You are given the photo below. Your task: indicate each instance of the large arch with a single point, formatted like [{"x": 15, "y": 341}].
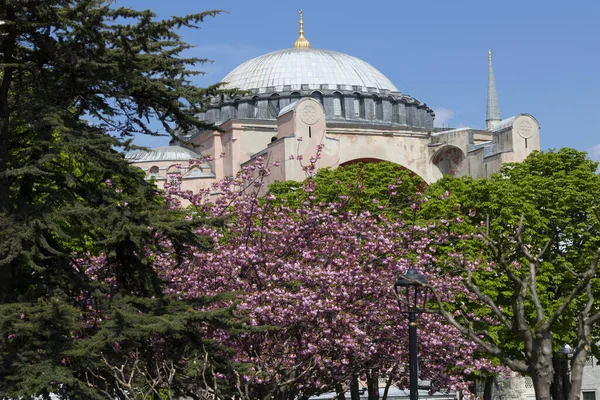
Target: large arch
[{"x": 378, "y": 160}]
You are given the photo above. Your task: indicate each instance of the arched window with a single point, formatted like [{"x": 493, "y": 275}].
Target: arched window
[
  {"x": 153, "y": 171},
  {"x": 294, "y": 97},
  {"x": 359, "y": 106},
  {"x": 378, "y": 104},
  {"x": 338, "y": 105},
  {"x": 274, "y": 105},
  {"x": 317, "y": 96},
  {"x": 254, "y": 108}
]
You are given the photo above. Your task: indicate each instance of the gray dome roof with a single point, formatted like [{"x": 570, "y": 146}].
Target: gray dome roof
[
  {"x": 307, "y": 66},
  {"x": 164, "y": 153}
]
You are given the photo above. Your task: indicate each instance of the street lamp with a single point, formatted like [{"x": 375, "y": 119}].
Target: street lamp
[
  {"x": 567, "y": 351},
  {"x": 411, "y": 292}
]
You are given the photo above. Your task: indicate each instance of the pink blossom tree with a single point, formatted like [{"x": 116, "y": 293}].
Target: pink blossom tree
[{"x": 321, "y": 279}]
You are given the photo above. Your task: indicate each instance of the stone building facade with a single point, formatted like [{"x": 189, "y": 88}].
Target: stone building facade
[{"x": 343, "y": 103}]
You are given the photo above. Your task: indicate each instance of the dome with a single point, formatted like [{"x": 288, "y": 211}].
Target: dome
[
  {"x": 298, "y": 67},
  {"x": 350, "y": 90},
  {"x": 164, "y": 153}
]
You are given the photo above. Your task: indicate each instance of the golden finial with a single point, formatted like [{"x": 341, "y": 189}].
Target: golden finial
[{"x": 301, "y": 42}]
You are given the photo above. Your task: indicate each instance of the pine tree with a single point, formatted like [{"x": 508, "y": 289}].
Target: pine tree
[{"x": 78, "y": 79}]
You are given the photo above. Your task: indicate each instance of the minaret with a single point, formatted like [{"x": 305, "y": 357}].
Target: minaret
[
  {"x": 493, "y": 109},
  {"x": 302, "y": 42}
]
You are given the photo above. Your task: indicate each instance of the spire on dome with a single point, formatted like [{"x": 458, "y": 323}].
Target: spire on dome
[
  {"x": 493, "y": 108},
  {"x": 301, "y": 42}
]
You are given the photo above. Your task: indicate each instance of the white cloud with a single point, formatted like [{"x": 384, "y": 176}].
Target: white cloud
[
  {"x": 442, "y": 117},
  {"x": 594, "y": 152}
]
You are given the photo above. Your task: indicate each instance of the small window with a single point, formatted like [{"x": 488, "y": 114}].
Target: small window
[
  {"x": 589, "y": 395},
  {"x": 255, "y": 107},
  {"x": 359, "y": 106},
  {"x": 338, "y": 105},
  {"x": 317, "y": 96},
  {"x": 295, "y": 96},
  {"x": 274, "y": 105},
  {"x": 153, "y": 171}
]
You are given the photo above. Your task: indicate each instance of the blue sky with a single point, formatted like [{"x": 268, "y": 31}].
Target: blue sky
[{"x": 546, "y": 53}]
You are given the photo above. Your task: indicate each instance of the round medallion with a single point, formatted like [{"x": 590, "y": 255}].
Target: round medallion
[
  {"x": 310, "y": 115},
  {"x": 525, "y": 128}
]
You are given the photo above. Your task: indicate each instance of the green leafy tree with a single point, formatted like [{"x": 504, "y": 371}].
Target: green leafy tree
[
  {"x": 376, "y": 187},
  {"x": 77, "y": 80},
  {"x": 535, "y": 286}
]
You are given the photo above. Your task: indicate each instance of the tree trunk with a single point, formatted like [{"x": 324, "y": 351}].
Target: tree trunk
[
  {"x": 8, "y": 47},
  {"x": 541, "y": 385},
  {"x": 388, "y": 384},
  {"x": 340, "y": 392},
  {"x": 576, "y": 376},
  {"x": 578, "y": 361},
  {"x": 473, "y": 388},
  {"x": 354, "y": 390},
  {"x": 488, "y": 388},
  {"x": 373, "y": 384},
  {"x": 541, "y": 368}
]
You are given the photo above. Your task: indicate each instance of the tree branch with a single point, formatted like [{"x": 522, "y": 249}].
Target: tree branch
[
  {"x": 488, "y": 346},
  {"x": 585, "y": 279},
  {"x": 486, "y": 299}
]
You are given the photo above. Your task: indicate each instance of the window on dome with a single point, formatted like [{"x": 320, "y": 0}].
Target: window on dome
[
  {"x": 338, "y": 105},
  {"x": 295, "y": 96},
  {"x": 274, "y": 105},
  {"x": 359, "y": 106},
  {"x": 254, "y": 111},
  {"x": 317, "y": 96}
]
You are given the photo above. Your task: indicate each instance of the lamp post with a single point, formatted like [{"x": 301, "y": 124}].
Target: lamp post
[
  {"x": 567, "y": 351},
  {"x": 411, "y": 292}
]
